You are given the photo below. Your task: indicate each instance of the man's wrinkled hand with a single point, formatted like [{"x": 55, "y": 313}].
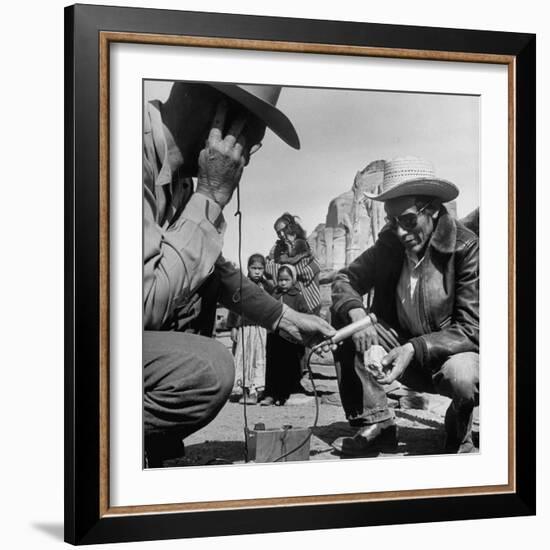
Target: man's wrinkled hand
[
  {"x": 304, "y": 328},
  {"x": 362, "y": 339},
  {"x": 396, "y": 362},
  {"x": 221, "y": 162}
]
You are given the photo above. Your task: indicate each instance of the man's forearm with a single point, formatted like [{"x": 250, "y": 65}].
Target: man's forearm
[
  {"x": 356, "y": 314},
  {"x": 254, "y": 304}
]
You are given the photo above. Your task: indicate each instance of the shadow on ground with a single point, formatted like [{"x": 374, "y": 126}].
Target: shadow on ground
[
  {"x": 425, "y": 437},
  {"x": 210, "y": 453},
  {"x": 420, "y": 432}
]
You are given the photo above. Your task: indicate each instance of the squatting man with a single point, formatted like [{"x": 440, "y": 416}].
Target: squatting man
[
  {"x": 424, "y": 271},
  {"x": 209, "y": 132}
]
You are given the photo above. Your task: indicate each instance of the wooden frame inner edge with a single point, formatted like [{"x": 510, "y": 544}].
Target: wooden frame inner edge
[
  {"x": 512, "y": 353},
  {"x": 105, "y": 39},
  {"x": 104, "y": 271}
]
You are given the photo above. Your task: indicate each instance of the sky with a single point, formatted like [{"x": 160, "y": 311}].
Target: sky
[{"x": 341, "y": 132}]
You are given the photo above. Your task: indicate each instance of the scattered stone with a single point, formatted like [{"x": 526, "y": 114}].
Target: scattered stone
[
  {"x": 408, "y": 399},
  {"x": 323, "y": 363},
  {"x": 299, "y": 399},
  {"x": 399, "y": 391},
  {"x": 414, "y": 401},
  {"x": 322, "y": 386},
  {"x": 331, "y": 399},
  {"x": 323, "y": 371},
  {"x": 225, "y": 339},
  {"x": 438, "y": 404},
  {"x": 393, "y": 387}
]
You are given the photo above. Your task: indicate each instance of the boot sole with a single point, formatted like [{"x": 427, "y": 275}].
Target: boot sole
[{"x": 385, "y": 443}]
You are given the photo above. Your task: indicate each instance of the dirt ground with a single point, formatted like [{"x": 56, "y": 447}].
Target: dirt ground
[
  {"x": 419, "y": 420},
  {"x": 420, "y": 431}
]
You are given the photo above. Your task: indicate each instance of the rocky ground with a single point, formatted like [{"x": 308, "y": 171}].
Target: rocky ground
[
  {"x": 419, "y": 419},
  {"x": 420, "y": 432}
]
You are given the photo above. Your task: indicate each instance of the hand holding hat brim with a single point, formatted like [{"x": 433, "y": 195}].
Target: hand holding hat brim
[{"x": 261, "y": 101}]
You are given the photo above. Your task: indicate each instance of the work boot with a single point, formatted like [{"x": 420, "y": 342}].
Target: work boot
[
  {"x": 161, "y": 447},
  {"x": 458, "y": 430},
  {"x": 378, "y": 437}
]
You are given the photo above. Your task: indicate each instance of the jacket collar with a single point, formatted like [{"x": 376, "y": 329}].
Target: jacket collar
[{"x": 444, "y": 236}]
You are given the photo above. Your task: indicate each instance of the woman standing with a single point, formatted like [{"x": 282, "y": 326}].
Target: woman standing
[{"x": 292, "y": 248}]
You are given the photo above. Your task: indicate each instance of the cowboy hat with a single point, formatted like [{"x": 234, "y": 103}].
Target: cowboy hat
[
  {"x": 406, "y": 176},
  {"x": 261, "y": 101}
]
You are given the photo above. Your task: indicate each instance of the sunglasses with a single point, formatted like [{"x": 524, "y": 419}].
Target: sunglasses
[{"x": 406, "y": 221}]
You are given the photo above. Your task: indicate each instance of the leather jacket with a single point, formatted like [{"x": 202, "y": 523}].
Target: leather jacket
[{"x": 448, "y": 286}]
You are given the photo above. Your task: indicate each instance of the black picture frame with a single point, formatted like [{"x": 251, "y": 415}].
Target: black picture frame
[{"x": 87, "y": 521}]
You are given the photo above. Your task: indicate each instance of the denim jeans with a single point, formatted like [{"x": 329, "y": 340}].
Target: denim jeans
[{"x": 364, "y": 399}]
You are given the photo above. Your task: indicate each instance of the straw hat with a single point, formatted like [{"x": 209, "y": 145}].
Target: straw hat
[
  {"x": 261, "y": 101},
  {"x": 406, "y": 176}
]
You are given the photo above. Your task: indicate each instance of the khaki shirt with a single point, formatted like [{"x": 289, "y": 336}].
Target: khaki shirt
[{"x": 182, "y": 241}]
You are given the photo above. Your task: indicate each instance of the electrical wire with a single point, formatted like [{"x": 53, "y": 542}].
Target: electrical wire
[
  {"x": 239, "y": 216},
  {"x": 316, "y": 419}
]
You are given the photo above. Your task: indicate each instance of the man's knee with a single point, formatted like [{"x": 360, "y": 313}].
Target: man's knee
[
  {"x": 212, "y": 380},
  {"x": 220, "y": 361},
  {"x": 188, "y": 383},
  {"x": 458, "y": 377}
]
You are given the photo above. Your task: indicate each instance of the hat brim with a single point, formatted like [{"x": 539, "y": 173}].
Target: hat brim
[
  {"x": 432, "y": 187},
  {"x": 274, "y": 119}
]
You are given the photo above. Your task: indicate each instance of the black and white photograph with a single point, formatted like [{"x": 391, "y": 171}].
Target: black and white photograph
[
  {"x": 316, "y": 309},
  {"x": 310, "y": 274}
]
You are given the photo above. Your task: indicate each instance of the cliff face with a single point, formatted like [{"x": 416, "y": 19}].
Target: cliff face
[{"x": 351, "y": 223}]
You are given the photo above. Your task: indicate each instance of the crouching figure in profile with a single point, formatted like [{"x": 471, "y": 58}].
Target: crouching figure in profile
[{"x": 424, "y": 270}]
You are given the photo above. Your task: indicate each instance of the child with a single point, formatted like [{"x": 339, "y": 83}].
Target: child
[
  {"x": 250, "y": 342},
  {"x": 283, "y": 372}
]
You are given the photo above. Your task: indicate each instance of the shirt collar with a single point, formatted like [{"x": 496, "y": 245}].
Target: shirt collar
[{"x": 413, "y": 260}]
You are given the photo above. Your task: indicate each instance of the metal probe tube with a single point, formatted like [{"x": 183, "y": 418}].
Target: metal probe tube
[{"x": 349, "y": 330}]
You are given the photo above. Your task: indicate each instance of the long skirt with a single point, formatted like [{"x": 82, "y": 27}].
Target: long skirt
[
  {"x": 283, "y": 367},
  {"x": 250, "y": 358}
]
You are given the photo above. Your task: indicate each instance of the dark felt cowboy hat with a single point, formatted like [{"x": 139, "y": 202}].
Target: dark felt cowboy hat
[
  {"x": 261, "y": 101},
  {"x": 412, "y": 176}
]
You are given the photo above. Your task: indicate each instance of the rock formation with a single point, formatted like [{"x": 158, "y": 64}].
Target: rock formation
[{"x": 352, "y": 222}]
